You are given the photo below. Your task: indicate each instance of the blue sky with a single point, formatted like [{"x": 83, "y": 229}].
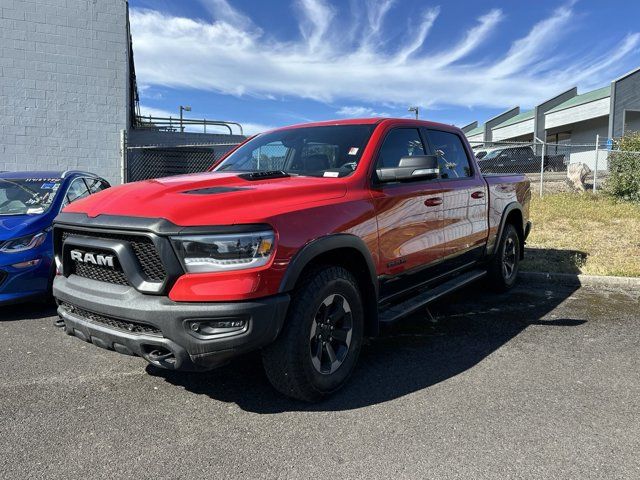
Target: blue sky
[{"x": 279, "y": 62}]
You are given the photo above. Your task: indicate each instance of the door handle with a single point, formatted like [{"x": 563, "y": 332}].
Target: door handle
[
  {"x": 433, "y": 202},
  {"x": 477, "y": 195}
]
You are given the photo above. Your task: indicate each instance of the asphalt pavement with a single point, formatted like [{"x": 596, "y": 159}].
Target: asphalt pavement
[{"x": 543, "y": 382}]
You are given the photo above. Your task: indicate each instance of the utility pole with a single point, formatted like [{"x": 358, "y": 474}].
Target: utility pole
[{"x": 416, "y": 110}]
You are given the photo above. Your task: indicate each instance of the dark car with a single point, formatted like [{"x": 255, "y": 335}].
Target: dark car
[
  {"x": 517, "y": 159},
  {"x": 29, "y": 201}
]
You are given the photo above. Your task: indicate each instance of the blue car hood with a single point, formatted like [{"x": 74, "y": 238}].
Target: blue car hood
[{"x": 14, "y": 226}]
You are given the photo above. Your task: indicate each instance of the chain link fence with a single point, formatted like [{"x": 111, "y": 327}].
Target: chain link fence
[
  {"x": 155, "y": 161},
  {"x": 551, "y": 167}
]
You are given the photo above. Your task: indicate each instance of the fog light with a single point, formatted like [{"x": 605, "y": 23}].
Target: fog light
[
  {"x": 27, "y": 264},
  {"x": 218, "y": 327}
]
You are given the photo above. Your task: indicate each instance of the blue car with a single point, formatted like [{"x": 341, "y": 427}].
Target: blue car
[{"x": 29, "y": 201}]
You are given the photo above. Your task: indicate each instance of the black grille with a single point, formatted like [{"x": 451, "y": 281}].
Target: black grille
[
  {"x": 115, "y": 323},
  {"x": 143, "y": 248},
  {"x": 102, "y": 274}
]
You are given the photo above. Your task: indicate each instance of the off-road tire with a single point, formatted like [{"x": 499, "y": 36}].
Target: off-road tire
[
  {"x": 502, "y": 278},
  {"x": 289, "y": 362}
]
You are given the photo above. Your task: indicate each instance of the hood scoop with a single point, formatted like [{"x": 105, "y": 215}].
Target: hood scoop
[
  {"x": 252, "y": 176},
  {"x": 214, "y": 190}
]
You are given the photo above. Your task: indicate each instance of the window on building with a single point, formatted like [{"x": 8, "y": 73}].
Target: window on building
[{"x": 556, "y": 142}]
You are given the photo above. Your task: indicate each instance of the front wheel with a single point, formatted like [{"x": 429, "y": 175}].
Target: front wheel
[
  {"x": 319, "y": 345},
  {"x": 503, "y": 269}
]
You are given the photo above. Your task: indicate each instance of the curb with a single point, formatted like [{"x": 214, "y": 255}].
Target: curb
[{"x": 580, "y": 280}]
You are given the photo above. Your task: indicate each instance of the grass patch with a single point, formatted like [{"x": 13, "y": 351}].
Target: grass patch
[{"x": 583, "y": 233}]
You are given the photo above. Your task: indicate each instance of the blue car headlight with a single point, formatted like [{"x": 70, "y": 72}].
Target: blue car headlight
[{"x": 25, "y": 243}]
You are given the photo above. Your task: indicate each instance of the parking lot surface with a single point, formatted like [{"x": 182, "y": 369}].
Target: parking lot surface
[{"x": 540, "y": 383}]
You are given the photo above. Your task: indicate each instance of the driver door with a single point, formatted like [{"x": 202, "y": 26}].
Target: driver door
[{"x": 409, "y": 214}]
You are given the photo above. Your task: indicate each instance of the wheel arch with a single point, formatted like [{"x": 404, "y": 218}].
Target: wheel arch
[
  {"x": 512, "y": 214},
  {"x": 347, "y": 251}
]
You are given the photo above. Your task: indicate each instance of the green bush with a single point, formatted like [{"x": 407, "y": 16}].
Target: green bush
[{"x": 624, "y": 169}]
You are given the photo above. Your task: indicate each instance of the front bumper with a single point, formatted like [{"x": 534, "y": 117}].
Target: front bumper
[
  {"x": 21, "y": 284},
  {"x": 120, "y": 318}
]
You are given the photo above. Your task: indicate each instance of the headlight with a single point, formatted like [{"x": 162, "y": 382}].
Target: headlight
[
  {"x": 221, "y": 253},
  {"x": 24, "y": 243}
]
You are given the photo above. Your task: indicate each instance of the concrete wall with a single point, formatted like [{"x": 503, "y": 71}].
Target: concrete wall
[
  {"x": 497, "y": 120},
  {"x": 625, "y": 95},
  {"x": 63, "y": 84},
  {"x": 631, "y": 121},
  {"x": 539, "y": 112}
]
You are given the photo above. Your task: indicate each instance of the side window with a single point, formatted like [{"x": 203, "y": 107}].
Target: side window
[
  {"x": 452, "y": 156},
  {"x": 77, "y": 190},
  {"x": 401, "y": 142},
  {"x": 95, "y": 185}
]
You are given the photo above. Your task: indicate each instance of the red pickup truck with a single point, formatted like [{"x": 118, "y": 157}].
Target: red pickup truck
[{"x": 300, "y": 243}]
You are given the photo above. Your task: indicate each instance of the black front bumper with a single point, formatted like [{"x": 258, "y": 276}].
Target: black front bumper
[{"x": 120, "y": 318}]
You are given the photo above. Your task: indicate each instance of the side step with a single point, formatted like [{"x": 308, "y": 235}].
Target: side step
[{"x": 399, "y": 310}]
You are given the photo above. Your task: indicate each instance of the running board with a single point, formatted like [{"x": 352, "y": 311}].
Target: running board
[{"x": 399, "y": 310}]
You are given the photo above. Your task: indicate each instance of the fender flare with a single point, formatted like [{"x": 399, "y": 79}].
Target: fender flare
[
  {"x": 503, "y": 221},
  {"x": 322, "y": 245}
]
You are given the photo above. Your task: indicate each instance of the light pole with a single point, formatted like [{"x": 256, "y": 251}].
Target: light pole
[
  {"x": 416, "y": 110},
  {"x": 185, "y": 108}
]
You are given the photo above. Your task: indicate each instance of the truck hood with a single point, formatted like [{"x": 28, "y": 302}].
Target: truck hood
[{"x": 209, "y": 198}]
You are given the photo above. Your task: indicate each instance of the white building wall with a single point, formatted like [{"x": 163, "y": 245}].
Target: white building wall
[
  {"x": 476, "y": 138},
  {"x": 578, "y": 113},
  {"x": 63, "y": 84},
  {"x": 511, "y": 131}
]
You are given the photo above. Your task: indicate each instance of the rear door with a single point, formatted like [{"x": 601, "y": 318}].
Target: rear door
[
  {"x": 464, "y": 194},
  {"x": 409, "y": 214}
]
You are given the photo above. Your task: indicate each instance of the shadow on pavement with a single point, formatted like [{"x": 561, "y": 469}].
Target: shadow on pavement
[
  {"x": 32, "y": 310},
  {"x": 413, "y": 355},
  {"x": 553, "y": 260}
]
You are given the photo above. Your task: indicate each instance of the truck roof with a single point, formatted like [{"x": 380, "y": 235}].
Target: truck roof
[{"x": 370, "y": 121}]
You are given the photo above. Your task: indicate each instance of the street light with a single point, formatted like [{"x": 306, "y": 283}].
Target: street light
[
  {"x": 415, "y": 109},
  {"x": 185, "y": 108}
]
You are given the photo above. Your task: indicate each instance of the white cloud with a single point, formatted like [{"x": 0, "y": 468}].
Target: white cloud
[
  {"x": 231, "y": 55},
  {"x": 360, "y": 112}
]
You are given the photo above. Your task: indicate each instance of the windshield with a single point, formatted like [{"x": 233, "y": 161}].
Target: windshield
[
  {"x": 27, "y": 196},
  {"x": 332, "y": 151},
  {"x": 492, "y": 154}
]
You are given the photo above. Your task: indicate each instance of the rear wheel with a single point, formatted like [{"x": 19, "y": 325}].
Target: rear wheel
[
  {"x": 319, "y": 345},
  {"x": 504, "y": 267}
]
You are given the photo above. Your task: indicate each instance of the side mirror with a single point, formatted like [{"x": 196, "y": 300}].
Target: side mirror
[{"x": 423, "y": 167}]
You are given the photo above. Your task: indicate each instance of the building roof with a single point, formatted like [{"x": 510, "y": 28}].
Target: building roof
[
  {"x": 591, "y": 96},
  {"x": 476, "y": 131},
  {"x": 521, "y": 117}
]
